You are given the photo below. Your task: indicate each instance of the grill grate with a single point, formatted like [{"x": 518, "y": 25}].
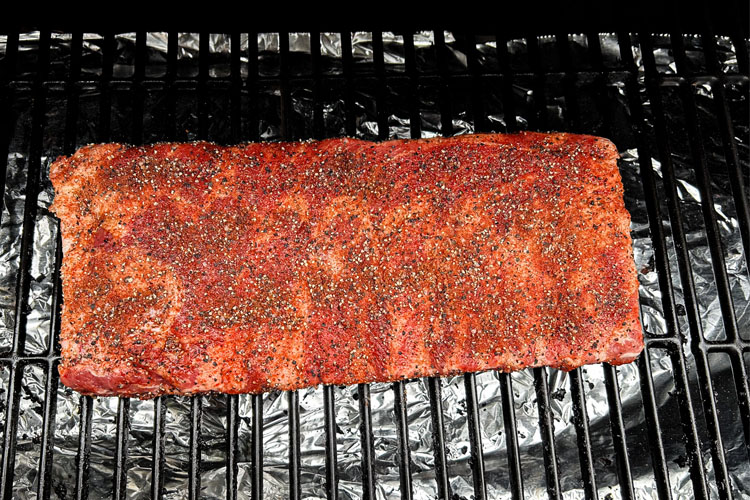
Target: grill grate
[{"x": 696, "y": 399}]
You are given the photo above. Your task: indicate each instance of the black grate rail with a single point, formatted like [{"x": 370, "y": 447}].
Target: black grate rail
[{"x": 555, "y": 73}]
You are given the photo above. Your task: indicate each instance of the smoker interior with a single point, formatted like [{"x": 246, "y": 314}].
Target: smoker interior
[{"x": 61, "y": 91}]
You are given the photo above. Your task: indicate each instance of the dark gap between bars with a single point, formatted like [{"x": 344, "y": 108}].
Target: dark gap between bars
[
  {"x": 687, "y": 414},
  {"x": 686, "y": 274}
]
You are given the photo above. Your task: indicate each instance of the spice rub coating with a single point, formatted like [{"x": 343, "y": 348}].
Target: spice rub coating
[{"x": 193, "y": 267}]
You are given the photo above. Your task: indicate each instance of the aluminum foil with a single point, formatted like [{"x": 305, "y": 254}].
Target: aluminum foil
[{"x": 275, "y": 413}]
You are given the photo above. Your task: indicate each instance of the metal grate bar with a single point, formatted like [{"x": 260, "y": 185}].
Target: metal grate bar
[
  {"x": 581, "y": 423},
  {"x": 332, "y": 481},
  {"x": 348, "y": 67},
  {"x": 71, "y": 108},
  {"x": 44, "y": 486},
  {"x": 475, "y": 437},
  {"x": 24, "y": 278},
  {"x": 477, "y": 102},
  {"x": 50, "y": 401},
  {"x": 433, "y": 383},
  {"x": 658, "y": 455},
  {"x": 170, "y": 78},
  {"x": 123, "y": 404},
  {"x": 138, "y": 90},
  {"x": 402, "y": 428},
  {"x": 509, "y": 107},
  {"x": 572, "y": 113},
  {"x": 32, "y": 195},
  {"x": 547, "y": 426},
  {"x": 295, "y": 491},
  {"x": 7, "y": 71},
  {"x": 11, "y": 426},
  {"x": 194, "y": 472},
  {"x": 511, "y": 436},
  {"x": 446, "y": 117},
  {"x": 84, "y": 449},
  {"x": 295, "y": 481},
  {"x": 257, "y": 447},
  {"x": 235, "y": 114},
  {"x": 600, "y": 80},
  {"x": 399, "y": 388},
  {"x": 233, "y": 410},
  {"x": 233, "y": 424},
  {"x": 686, "y": 273},
  {"x": 203, "y": 55},
  {"x": 105, "y": 99},
  {"x": 158, "y": 456},
  {"x": 252, "y": 85},
  {"x": 380, "y": 93},
  {"x": 687, "y": 414},
  {"x": 506, "y": 385},
  {"x": 121, "y": 450},
  {"x": 617, "y": 425},
  {"x": 368, "y": 450},
  {"x": 438, "y": 438},
  {"x": 286, "y": 98},
  {"x": 410, "y": 63}
]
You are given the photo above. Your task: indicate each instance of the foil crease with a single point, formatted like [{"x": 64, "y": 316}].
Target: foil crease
[{"x": 385, "y": 438}]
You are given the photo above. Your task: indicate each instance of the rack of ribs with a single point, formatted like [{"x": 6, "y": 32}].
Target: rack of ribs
[{"x": 190, "y": 268}]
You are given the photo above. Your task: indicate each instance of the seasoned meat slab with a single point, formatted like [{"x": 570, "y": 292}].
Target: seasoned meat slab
[{"x": 190, "y": 268}]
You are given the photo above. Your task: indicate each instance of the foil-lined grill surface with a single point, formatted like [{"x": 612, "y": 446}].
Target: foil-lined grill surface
[{"x": 558, "y": 114}]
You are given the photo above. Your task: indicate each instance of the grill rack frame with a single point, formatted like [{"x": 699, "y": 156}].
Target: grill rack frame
[{"x": 734, "y": 345}]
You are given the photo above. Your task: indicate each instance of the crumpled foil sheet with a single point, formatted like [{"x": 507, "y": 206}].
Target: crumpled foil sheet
[{"x": 276, "y": 441}]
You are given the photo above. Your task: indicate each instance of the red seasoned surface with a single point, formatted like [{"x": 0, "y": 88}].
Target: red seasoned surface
[{"x": 192, "y": 267}]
